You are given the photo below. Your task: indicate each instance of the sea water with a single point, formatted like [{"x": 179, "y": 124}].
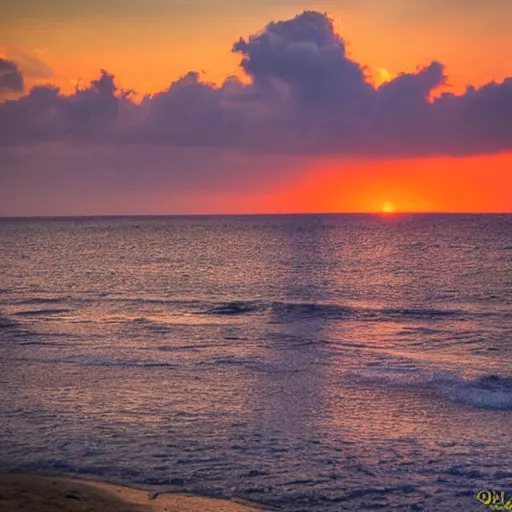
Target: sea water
[{"x": 307, "y": 363}]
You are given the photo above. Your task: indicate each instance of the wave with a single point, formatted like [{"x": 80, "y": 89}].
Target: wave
[
  {"x": 286, "y": 311},
  {"x": 419, "y": 312},
  {"x": 282, "y": 310},
  {"x": 89, "y": 361},
  {"x": 41, "y": 312},
  {"x": 309, "y": 310},
  {"x": 128, "y": 364},
  {"x": 141, "y": 300},
  {"x": 43, "y": 300},
  {"x": 7, "y": 323},
  {"x": 486, "y": 391},
  {"x": 41, "y": 343},
  {"x": 235, "y": 308},
  {"x": 290, "y": 311}
]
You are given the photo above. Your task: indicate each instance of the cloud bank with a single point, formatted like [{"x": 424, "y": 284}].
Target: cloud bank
[{"x": 305, "y": 96}]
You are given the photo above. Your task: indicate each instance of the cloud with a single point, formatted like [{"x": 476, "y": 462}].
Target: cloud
[
  {"x": 11, "y": 78},
  {"x": 44, "y": 115},
  {"x": 307, "y": 56},
  {"x": 80, "y": 179},
  {"x": 305, "y": 96}
]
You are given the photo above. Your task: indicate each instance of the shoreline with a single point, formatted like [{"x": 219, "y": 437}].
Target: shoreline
[{"x": 44, "y": 493}]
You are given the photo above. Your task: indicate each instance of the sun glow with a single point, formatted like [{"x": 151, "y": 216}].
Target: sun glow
[{"x": 388, "y": 208}]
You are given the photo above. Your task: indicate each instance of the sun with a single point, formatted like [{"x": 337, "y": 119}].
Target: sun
[{"x": 388, "y": 208}]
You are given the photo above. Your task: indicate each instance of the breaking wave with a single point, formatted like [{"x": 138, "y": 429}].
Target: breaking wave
[{"x": 487, "y": 391}]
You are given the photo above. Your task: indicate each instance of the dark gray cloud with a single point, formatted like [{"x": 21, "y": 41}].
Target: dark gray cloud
[
  {"x": 309, "y": 58},
  {"x": 44, "y": 115},
  {"x": 306, "y": 96},
  {"x": 11, "y": 78}
]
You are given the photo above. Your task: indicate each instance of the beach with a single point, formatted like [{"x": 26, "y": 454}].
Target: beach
[{"x": 28, "y": 493}]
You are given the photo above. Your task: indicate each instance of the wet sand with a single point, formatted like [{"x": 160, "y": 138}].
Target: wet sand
[{"x": 22, "y": 493}]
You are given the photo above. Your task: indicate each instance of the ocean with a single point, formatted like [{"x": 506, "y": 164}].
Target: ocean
[{"x": 303, "y": 362}]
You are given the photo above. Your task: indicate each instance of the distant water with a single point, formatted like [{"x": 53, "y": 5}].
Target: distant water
[{"x": 309, "y": 363}]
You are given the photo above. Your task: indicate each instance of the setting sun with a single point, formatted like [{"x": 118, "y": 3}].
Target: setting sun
[{"x": 388, "y": 208}]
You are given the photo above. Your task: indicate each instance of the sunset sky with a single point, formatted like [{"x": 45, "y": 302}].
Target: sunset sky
[{"x": 203, "y": 107}]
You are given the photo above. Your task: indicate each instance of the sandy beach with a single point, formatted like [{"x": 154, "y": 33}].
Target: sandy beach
[{"x": 22, "y": 493}]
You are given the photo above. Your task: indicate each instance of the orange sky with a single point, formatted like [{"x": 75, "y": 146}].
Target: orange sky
[
  {"x": 148, "y": 45},
  {"x": 440, "y": 184},
  {"x": 443, "y": 184},
  {"x": 475, "y": 184}
]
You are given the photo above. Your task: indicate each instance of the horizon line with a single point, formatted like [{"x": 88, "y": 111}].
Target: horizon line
[{"x": 167, "y": 215}]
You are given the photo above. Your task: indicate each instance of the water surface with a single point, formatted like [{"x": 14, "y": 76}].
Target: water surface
[{"x": 309, "y": 363}]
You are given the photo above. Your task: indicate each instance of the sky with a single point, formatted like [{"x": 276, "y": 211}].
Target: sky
[{"x": 190, "y": 106}]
